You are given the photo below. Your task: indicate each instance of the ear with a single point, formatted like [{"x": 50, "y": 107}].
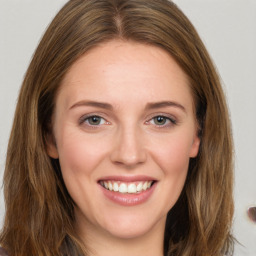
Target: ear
[
  {"x": 195, "y": 146},
  {"x": 51, "y": 146}
]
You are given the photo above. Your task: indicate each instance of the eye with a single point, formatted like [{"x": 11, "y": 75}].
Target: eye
[
  {"x": 93, "y": 120},
  {"x": 162, "y": 121}
]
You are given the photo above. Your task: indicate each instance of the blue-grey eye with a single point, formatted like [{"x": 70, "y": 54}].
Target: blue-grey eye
[
  {"x": 161, "y": 120},
  {"x": 94, "y": 120}
]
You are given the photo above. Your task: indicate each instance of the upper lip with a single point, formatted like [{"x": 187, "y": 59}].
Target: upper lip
[{"x": 128, "y": 178}]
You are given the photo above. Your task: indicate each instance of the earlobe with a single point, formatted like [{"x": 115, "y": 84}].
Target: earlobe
[
  {"x": 51, "y": 147},
  {"x": 195, "y": 147}
]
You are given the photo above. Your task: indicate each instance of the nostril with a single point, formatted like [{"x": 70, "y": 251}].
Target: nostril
[{"x": 252, "y": 214}]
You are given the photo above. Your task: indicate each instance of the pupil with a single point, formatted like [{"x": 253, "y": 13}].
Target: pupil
[
  {"x": 160, "y": 120},
  {"x": 94, "y": 120}
]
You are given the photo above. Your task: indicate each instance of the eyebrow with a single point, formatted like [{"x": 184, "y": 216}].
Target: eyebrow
[
  {"x": 149, "y": 106},
  {"x": 161, "y": 104},
  {"x": 92, "y": 104}
]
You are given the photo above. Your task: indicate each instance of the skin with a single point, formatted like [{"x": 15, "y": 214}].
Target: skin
[{"x": 127, "y": 141}]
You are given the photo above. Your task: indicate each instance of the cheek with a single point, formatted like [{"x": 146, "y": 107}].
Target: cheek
[
  {"x": 79, "y": 156},
  {"x": 79, "y": 153},
  {"x": 173, "y": 154}
]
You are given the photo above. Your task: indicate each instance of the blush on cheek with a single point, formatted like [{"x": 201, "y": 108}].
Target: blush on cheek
[
  {"x": 80, "y": 155},
  {"x": 173, "y": 157}
]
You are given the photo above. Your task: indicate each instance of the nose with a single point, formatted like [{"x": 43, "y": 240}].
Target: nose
[{"x": 128, "y": 149}]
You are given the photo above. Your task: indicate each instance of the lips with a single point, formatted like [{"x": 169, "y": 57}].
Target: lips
[{"x": 127, "y": 191}]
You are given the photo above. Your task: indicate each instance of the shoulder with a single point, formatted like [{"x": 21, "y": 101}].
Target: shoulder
[{"x": 3, "y": 252}]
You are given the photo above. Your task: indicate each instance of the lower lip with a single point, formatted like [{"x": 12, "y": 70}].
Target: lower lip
[{"x": 129, "y": 199}]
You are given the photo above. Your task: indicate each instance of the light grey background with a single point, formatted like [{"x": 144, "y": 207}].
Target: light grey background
[{"x": 227, "y": 27}]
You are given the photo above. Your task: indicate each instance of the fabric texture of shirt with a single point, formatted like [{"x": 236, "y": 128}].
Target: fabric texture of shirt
[{"x": 3, "y": 252}]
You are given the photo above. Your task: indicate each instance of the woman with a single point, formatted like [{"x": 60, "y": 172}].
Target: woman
[{"x": 129, "y": 149}]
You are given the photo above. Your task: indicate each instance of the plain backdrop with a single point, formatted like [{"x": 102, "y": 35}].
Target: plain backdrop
[{"x": 228, "y": 29}]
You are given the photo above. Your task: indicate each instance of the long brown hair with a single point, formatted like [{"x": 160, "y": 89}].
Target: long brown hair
[{"x": 39, "y": 216}]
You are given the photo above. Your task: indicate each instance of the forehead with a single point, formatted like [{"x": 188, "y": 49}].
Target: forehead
[
  {"x": 127, "y": 53},
  {"x": 125, "y": 69}
]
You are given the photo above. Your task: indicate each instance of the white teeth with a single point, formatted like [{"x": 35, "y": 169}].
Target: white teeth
[
  {"x": 145, "y": 186},
  {"x": 115, "y": 187},
  {"x": 110, "y": 186},
  {"x": 131, "y": 188},
  {"x": 139, "y": 187},
  {"x": 123, "y": 188},
  {"x": 105, "y": 184}
]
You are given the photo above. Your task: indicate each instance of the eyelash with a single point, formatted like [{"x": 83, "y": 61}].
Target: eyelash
[
  {"x": 169, "y": 121},
  {"x": 85, "y": 119}
]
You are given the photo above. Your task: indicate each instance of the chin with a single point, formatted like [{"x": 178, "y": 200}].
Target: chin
[
  {"x": 129, "y": 226},
  {"x": 129, "y": 232}
]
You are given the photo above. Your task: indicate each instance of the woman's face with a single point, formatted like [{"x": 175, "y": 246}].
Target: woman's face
[{"x": 124, "y": 129}]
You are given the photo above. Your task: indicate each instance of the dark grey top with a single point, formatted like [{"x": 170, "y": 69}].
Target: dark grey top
[{"x": 3, "y": 252}]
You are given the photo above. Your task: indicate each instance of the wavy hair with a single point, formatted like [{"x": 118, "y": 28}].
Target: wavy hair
[{"x": 39, "y": 217}]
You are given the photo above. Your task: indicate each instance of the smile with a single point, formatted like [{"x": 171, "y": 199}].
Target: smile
[{"x": 127, "y": 187}]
